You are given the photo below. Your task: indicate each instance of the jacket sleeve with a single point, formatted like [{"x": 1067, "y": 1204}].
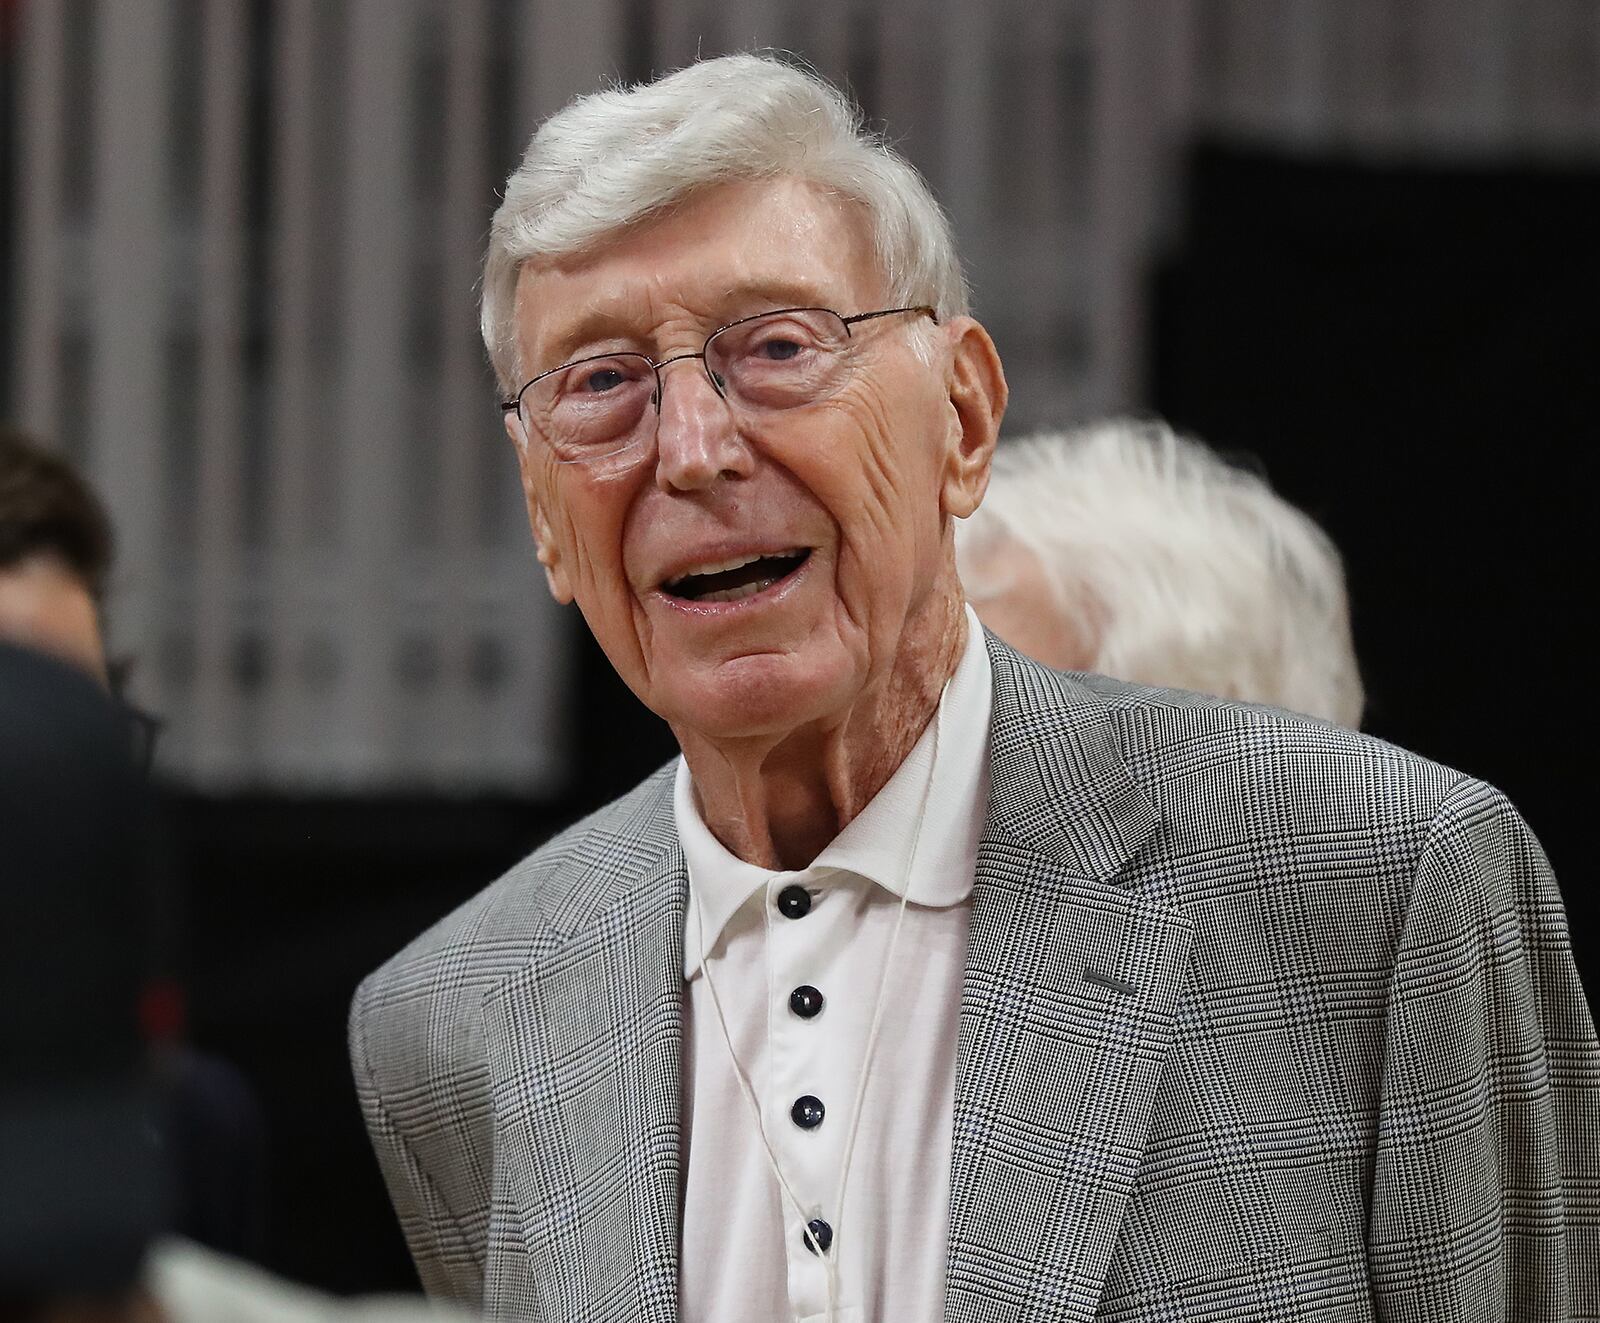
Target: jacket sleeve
[
  {"x": 1486, "y": 1184},
  {"x": 447, "y": 1262}
]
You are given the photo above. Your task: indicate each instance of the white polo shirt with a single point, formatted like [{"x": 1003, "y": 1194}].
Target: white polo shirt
[{"x": 796, "y": 957}]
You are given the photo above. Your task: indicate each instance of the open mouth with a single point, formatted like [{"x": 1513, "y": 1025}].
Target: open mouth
[{"x": 732, "y": 580}]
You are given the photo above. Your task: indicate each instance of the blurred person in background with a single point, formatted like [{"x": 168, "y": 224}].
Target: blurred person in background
[
  {"x": 87, "y": 1184},
  {"x": 929, "y": 982},
  {"x": 56, "y": 556},
  {"x": 1126, "y": 549},
  {"x": 82, "y": 1187}
]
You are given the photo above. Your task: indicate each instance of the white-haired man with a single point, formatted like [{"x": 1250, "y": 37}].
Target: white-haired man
[
  {"x": 929, "y": 982},
  {"x": 1123, "y": 548}
]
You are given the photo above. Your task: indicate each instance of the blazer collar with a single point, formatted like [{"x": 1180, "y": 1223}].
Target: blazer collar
[
  {"x": 1068, "y": 1008},
  {"x": 1057, "y": 773}
]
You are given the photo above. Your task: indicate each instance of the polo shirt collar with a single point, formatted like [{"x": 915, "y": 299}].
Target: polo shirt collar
[{"x": 949, "y": 763}]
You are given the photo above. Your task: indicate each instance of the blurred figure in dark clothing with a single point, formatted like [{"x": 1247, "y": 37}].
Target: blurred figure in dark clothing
[
  {"x": 56, "y": 555},
  {"x": 85, "y": 1175},
  {"x": 82, "y": 1188}
]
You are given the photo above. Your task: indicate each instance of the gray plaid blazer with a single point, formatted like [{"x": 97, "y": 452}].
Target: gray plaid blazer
[{"x": 1262, "y": 1019}]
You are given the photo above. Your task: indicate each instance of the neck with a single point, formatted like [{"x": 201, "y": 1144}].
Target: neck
[{"x": 776, "y": 804}]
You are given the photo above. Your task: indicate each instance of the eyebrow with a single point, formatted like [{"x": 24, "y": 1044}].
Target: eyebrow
[
  {"x": 596, "y": 324},
  {"x": 737, "y": 301}
]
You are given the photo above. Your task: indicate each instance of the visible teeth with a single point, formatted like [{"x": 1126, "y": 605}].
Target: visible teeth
[
  {"x": 719, "y": 566},
  {"x": 722, "y": 566},
  {"x": 734, "y": 594}
]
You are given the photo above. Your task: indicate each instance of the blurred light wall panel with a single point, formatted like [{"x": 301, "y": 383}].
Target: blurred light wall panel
[
  {"x": 381, "y": 623},
  {"x": 220, "y": 601},
  {"x": 130, "y": 252},
  {"x": 43, "y": 98}
]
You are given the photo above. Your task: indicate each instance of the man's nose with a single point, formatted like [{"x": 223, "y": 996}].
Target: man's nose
[{"x": 697, "y": 441}]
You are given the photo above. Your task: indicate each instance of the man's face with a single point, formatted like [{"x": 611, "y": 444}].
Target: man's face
[
  {"x": 844, "y": 499},
  {"x": 44, "y": 606}
]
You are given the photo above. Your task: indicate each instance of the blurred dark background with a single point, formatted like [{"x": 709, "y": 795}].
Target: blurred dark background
[{"x": 1349, "y": 239}]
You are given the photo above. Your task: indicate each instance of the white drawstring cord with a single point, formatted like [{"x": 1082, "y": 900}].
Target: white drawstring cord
[{"x": 829, "y": 1262}]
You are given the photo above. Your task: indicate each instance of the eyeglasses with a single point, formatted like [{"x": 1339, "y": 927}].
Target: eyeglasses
[{"x": 596, "y": 408}]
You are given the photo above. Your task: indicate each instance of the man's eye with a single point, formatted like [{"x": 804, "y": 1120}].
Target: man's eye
[
  {"x": 599, "y": 380},
  {"x": 777, "y": 350}
]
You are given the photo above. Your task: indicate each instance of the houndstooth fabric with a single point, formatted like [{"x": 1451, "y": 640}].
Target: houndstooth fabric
[{"x": 1262, "y": 1020}]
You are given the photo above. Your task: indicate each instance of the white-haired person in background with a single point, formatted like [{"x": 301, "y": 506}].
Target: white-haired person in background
[{"x": 1126, "y": 549}]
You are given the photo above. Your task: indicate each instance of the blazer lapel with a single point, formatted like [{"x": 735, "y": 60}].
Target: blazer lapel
[
  {"x": 1067, "y": 1010},
  {"x": 584, "y": 1049}
]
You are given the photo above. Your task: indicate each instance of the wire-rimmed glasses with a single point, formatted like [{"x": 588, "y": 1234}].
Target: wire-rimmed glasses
[{"x": 597, "y": 407}]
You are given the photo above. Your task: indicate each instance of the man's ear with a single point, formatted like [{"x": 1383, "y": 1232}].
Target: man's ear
[
  {"x": 555, "y": 569},
  {"x": 544, "y": 541},
  {"x": 978, "y": 394}
]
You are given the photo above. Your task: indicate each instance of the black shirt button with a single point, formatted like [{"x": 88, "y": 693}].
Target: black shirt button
[
  {"x": 807, "y": 1112},
  {"x": 821, "y": 1233},
  {"x": 805, "y": 1001},
  {"x": 794, "y": 902}
]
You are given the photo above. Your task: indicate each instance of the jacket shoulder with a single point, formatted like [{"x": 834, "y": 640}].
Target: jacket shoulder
[
  {"x": 1308, "y": 835},
  {"x": 1196, "y": 741},
  {"x": 439, "y": 979},
  {"x": 1230, "y": 781}
]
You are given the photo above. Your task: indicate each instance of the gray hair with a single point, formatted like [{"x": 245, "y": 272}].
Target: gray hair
[
  {"x": 617, "y": 157},
  {"x": 1198, "y": 575}
]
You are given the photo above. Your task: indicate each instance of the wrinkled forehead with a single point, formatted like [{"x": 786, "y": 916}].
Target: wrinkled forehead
[{"x": 723, "y": 253}]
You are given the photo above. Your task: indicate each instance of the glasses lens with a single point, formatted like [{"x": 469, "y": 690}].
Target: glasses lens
[
  {"x": 592, "y": 408},
  {"x": 781, "y": 360}
]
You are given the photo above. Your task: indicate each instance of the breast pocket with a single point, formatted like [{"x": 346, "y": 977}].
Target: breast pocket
[{"x": 1317, "y": 1278}]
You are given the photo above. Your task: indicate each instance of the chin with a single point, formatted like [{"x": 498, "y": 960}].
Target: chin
[{"x": 765, "y": 695}]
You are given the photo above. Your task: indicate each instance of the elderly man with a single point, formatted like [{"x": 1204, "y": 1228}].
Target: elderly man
[
  {"x": 1126, "y": 549},
  {"x": 930, "y": 982}
]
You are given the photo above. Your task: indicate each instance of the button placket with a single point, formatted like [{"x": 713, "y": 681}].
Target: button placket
[{"x": 807, "y": 1062}]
